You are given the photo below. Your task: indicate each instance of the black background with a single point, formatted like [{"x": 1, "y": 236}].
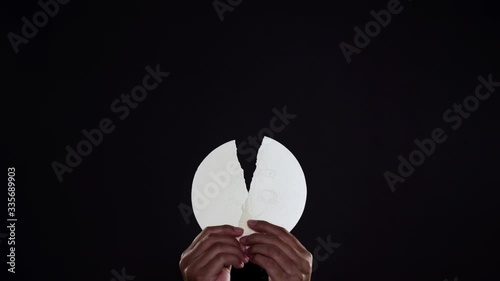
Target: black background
[{"x": 119, "y": 207}]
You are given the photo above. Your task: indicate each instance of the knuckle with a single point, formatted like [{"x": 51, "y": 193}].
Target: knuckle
[
  {"x": 183, "y": 262},
  {"x": 227, "y": 227},
  {"x": 306, "y": 266},
  {"x": 186, "y": 271},
  {"x": 206, "y": 231},
  {"x": 202, "y": 242},
  {"x": 220, "y": 258},
  {"x": 282, "y": 230},
  {"x": 309, "y": 256},
  {"x": 183, "y": 254},
  {"x": 209, "y": 237},
  {"x": 256, "y": 258}
]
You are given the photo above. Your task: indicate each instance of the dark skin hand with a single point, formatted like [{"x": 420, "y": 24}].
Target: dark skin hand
[
  {"x": 278, "y": 252},
  {"x": 212, "y": 253},
  {"x": 215, "y": 250}
]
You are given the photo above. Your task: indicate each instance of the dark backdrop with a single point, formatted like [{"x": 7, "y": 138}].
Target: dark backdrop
[{"x": 120, "y": 207}]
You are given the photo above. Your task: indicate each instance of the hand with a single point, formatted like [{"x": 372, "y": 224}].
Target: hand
[
  {"x": 278, "y": 252},
  {"x": 212, "y": 253}
]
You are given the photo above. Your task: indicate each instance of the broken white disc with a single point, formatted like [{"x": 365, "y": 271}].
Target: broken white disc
[{"x": 277, "y": 193}]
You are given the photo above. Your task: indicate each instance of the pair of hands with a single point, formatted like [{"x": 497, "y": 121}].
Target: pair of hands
[{"x": 215, "y": 250}]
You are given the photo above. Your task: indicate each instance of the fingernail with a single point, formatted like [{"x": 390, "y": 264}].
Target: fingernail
[
  {"x": 243, "y": 239},
  {"x": 247, "y": 259},
  {"x": 237, "y": 229},
  {"x": 252, "y": 222}
]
